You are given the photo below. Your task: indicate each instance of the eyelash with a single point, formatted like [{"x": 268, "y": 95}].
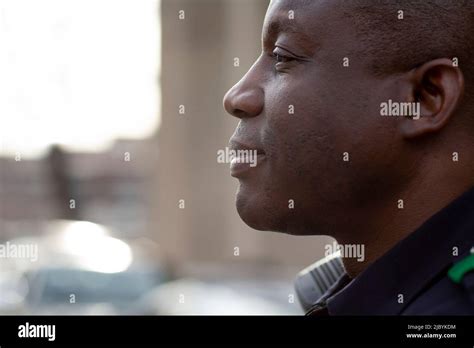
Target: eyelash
[{"x": 285, "y": 59}]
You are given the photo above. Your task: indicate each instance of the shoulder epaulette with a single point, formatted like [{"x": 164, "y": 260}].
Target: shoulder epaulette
[{"x": 460, "y": 269}]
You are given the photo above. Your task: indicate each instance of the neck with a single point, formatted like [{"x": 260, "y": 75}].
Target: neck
[{"x": 392, "y": 222}]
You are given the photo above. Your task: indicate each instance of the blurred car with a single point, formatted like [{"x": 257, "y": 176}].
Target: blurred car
[
  {"x": 80, "y": 268},
  {"x": 227, "y": 297},
  {"x": 78, "y": 291}
]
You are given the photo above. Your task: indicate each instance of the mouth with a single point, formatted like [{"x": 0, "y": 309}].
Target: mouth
[{"x": 246, "y": 159}]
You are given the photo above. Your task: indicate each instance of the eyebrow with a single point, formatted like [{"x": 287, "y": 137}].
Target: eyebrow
[{"x": 279, "y": 26}]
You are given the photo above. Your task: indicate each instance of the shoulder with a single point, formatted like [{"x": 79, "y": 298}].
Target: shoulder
[{"x": 452, "y": 293}]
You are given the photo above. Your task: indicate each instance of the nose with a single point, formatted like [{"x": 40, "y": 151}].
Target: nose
[{"x": 245, "y": 99}]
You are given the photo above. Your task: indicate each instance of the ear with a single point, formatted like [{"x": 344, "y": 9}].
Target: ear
[{"x": 438, "y": 86}]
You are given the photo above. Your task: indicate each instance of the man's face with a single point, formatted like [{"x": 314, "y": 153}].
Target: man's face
[{"x": 303, "y": 108}]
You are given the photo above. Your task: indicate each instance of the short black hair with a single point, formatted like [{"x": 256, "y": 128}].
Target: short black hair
[{"x": 430, "y": 29}]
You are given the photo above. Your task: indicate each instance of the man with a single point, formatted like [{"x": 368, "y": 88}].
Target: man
[{"x": 361, "y": 115}]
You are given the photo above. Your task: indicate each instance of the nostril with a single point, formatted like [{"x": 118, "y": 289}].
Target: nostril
[
  {"x": 238, "y": 113},
  {"x": 232, "y": 103}
]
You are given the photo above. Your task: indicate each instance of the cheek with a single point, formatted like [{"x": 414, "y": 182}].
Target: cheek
[{"x": 299, "y": 130}]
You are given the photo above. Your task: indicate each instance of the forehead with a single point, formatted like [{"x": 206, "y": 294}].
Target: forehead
[
  {"x": 312, "y": 22},
  {"x": 285, "y": 14},
  {"x": 301, "y": 17}
]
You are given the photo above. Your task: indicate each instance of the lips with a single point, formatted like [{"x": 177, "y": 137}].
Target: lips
[{"x": 247, "y": 158}]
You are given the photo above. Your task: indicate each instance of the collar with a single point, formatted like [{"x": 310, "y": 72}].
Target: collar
[{"x": 408, "y": 268}]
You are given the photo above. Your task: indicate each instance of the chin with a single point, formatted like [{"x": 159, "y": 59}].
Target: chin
[
  {"x": 250, "y": 214},
  {"x": 259, "y": 212}
]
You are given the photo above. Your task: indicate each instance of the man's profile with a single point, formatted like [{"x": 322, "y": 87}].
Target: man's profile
[{"x": 361, "y": 116}]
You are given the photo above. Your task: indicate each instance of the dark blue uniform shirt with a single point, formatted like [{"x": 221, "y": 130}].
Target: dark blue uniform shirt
[{"x": 412, "y": 278}]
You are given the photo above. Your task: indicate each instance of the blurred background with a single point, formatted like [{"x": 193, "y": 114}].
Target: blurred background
[{"x": 111, "y": 197}]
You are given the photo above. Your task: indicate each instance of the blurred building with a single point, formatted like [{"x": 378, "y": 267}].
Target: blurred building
[
  {"x": 109, "y": 188},
  {"x": 27, "y": 191}
]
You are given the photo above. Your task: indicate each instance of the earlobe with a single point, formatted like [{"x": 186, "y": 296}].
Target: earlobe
[{"x": 436, "y": 88}]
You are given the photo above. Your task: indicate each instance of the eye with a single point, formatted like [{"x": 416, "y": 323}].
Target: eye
[{"x": 282, "y": 58}]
